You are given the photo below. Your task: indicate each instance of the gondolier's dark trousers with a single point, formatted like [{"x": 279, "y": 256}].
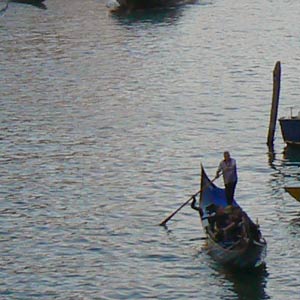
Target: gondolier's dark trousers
[{"x": 229, "y": 190}]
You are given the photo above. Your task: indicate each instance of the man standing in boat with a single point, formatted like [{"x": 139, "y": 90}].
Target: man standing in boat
[{"x": 228, "y": 168}]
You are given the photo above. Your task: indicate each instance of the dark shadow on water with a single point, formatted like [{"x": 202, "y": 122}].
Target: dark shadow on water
[
  {"x": 247, "y": 284},
  {"x": 292, "y": 155},
  {"x": 271, "y": 157},
  {"x": 161, "y": 15},
  {"x": 286, "y": 164}
]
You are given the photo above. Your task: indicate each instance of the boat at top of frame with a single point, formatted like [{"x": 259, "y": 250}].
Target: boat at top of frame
[{"x": 144, "y": 4}]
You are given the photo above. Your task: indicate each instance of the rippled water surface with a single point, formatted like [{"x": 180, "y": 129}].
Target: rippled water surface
[{"x": 105, "y": 119}]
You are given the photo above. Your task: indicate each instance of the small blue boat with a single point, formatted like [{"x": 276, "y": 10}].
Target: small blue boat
[
  {"x": 243, "y": 250},
  {"x": 290, "y": 129}
]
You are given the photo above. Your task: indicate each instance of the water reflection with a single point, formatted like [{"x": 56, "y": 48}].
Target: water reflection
[
  {"x": 286, "y": 175},
  {"x": 249, "y": 284},
  {"x": 36, "y": 3},
  {"x": 292, "y": 155},
  {"x": 271, "y": 158},
  {"x": 294, "y": 224},
  {"x": 154, "y": 16},
  {"x": 168, "y": 15},
  {"x": 287, "y": 167},
  {"x": 3, "y": 6},
  {"x": 290, "y": 165}
]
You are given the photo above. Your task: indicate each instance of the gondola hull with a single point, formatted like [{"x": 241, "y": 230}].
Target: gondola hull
[
  {"x": 250, "y": 256},
  {"x": 247, "y": 251}
]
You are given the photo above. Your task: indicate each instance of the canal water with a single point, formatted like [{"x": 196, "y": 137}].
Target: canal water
[{"x": 105, "y": 120}]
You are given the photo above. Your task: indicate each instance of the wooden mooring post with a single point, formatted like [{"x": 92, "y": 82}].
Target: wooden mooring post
[{"x": 274, "y": 108}]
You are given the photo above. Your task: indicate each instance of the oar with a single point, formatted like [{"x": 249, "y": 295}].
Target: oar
[{"x": 164, "y": 222}]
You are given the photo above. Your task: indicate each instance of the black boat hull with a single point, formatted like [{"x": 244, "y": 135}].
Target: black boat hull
[
  {"x": 143, "y": 4},
  {"x": 250, "y": 256}
]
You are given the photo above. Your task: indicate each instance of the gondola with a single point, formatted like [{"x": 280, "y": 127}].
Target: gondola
[{"x": 244, "y": 249}]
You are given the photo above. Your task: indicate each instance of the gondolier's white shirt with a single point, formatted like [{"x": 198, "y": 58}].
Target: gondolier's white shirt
[{"x": 229, "y": 170}]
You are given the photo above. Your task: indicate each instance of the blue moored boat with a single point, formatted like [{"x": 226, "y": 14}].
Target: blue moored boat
[
  {"x": 290, "y": 129},
  {"x": 246, "y": 249}
]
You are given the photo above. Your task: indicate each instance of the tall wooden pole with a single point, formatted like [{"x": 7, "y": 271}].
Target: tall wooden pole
[{"x": 275, "y": 102}]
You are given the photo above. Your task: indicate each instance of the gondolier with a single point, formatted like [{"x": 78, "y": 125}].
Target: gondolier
[{"x": 228, "y": 168}]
